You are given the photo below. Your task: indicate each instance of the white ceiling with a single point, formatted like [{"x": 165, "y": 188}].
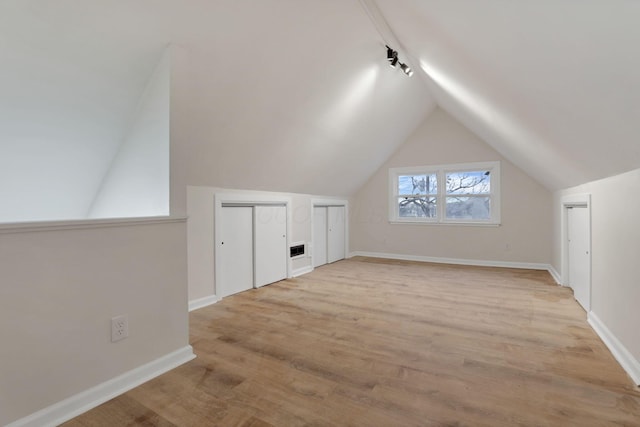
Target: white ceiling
[
  {"x": 295, "y": 95},
  {"x": 289, "y": 96},
  {"x": 553, "y": 85},
  {"x": 274, "y": 95},
  {"x": 67, "y": 91}
]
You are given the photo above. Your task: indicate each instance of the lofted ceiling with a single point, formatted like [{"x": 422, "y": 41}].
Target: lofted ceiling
[
  {"x": 291, "y": 96},
  {"x": 553, "y": 85},
  {"x": 281, "y": 95},
  {"x": 67, "y": 93},
  {"x": 296, "y": 95}
]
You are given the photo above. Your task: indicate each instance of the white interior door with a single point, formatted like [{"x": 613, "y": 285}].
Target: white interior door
[
  {"x": 270, "y": 234},
  {"x": 236, "y": 250},
  {"x": 319, "y": 236},
  {"x": 578, "y": 232},
  {"x": 335, "y": 233}
]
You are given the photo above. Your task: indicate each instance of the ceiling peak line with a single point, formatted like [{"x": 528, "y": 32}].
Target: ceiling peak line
[{"x": 386, "y": 33}]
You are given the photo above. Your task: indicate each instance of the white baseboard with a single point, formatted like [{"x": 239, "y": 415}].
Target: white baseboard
[
  {"x": 458, "y": 261},
  {"x": 556, "y": 276},
  {"x": 67, "y": 409},
  {"x": 202, "y": 302},
  {"x": 301, "y": 271},
  {"x": 629, "y": 363}
]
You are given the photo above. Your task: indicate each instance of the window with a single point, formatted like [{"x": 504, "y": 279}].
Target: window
[{"x": 464, "y": 193}]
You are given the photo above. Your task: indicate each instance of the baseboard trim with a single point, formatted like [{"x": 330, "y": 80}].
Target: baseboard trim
[
  {"x": 73, "y": 406},
  {"x": 458, "y": 261},
  {"x": 556, "y": 276},
  {"x": 301, "y": 271},
  {"x": 630, "y": 364},
  {"x": 202, "y": 302}
]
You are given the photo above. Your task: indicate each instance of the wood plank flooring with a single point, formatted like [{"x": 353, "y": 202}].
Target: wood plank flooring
[{"x": 369, "y": 342}]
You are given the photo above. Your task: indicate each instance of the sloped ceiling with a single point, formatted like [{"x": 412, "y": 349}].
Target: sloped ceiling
[
  {"x": 69, "y": 85},
  {"x": 281, "y": 95},
  {"x": 295, "y": 95},
  {"x": 290, "y": 96},
  {"x": 552, "y": 85}
]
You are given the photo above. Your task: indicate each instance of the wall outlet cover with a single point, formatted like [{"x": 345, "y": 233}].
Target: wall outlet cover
[{"x": 119, "y": 328}]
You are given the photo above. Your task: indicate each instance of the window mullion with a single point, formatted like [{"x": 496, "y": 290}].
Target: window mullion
[{"x": 441, "y": 197}]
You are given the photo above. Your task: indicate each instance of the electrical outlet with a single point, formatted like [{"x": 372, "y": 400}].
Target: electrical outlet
[{"x": 119, "y": 328}]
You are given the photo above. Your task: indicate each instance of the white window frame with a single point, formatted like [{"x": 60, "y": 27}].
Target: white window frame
[{"x": 440, "y": 171}]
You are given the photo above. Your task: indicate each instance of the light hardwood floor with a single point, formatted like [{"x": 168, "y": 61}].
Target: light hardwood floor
[{"x": 368, "y": 342}]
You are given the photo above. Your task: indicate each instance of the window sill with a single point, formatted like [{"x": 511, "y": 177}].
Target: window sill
[{"x": 448, "y": 223}]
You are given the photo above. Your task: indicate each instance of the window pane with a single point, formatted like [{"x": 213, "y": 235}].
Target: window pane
[
  {"x": 417, "y": 184},
  {"x": 475, "y": 182},
  {"x": 471, "y": 208},
  {"x": 416, "y": 207}
]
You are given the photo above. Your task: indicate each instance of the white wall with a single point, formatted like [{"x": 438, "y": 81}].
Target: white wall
[
  {"x": 137, "y": 183},
  {"x": 524, "y": 235},
  {"x": 615, "y": 251},
  {"x": 200, "y": 226},
  {"x": 59, "y": 289},
  {"x": 70, "y": 81}
]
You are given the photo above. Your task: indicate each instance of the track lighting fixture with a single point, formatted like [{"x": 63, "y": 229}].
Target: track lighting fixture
[
  {"x": 407, "y": 70},
  {"x": 391, "y": 54},
  {"x": 392, "y": 57}
]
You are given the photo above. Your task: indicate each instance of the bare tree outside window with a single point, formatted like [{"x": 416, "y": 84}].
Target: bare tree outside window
[
  {"x": 462, "y": 193},
  {"x": 468, "y": 195},
  {"x": 417, "y": 196}
]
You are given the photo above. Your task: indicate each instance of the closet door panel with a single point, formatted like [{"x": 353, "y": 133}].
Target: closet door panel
[
  {"x": 236, "y": 251},
  {"x": 270, "y": 242},
  {"x": 319, "y": 236}
]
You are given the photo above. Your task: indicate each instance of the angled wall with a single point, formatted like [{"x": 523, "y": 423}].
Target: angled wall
[
  {"x": 137, "y": 183},
  {"x": 524, "y": 235},
  {"x": 69, "y": 88},
  {"x": 615, "y": 271}
]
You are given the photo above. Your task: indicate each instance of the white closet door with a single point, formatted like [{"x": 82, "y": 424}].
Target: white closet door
[
  {"x": 319, "y": 236},
  {"x": 579, "y": 259},
  {"x": 335, "y": 233},
  {"x": 270, "y": 244},
  {"x": 236, "y": 249}
]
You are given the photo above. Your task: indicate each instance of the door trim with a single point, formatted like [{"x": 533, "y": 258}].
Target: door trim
[
  {"x": 244, "y": 199},
  {"x": 567, "y": 202}
]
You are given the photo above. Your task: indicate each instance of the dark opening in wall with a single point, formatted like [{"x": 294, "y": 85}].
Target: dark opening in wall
[{"x": 297, "y": 250}]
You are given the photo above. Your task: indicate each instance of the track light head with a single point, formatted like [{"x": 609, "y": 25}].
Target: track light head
[
  {"x": 406, "y": 69},
  {"x": 392, "y": 57},
  {"x": 390, "y": 54}
]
